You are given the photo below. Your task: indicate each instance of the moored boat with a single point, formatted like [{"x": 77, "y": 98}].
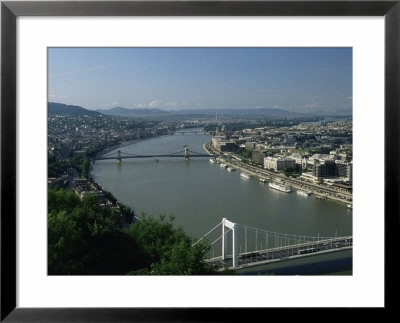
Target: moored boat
[
  {"x": 280, "y": 187},
  {"x": 263, "y": 180},
  {"x": 304, "y": 193},
  {"x": 244, "y": 175}
]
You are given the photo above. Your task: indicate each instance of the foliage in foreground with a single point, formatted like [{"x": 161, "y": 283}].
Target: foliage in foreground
[{"x": 84, "y": 239}]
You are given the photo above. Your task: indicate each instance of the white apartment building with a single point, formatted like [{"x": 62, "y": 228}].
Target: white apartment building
[{"x": 278, "y": 164}]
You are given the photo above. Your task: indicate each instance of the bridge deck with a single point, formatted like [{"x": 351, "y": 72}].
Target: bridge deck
[
  {"x": 259, "y": 257},
  {"x": 152, "y": 156}
]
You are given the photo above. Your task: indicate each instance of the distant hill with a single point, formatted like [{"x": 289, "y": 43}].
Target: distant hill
[
  {"x": 342, "y": 112},
  {"x": 135, "y": 113},
  {"x": 262, "y": 112},
  {"x": 201, "y": 113},
  {"x": 178, "y": 115},
  {"x": 54, "y": 108}
]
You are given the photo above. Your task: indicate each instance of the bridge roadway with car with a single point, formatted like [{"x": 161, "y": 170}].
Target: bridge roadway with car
[
  {"x": 277, "y": 246},
  {"x": 266, "y": 256}
]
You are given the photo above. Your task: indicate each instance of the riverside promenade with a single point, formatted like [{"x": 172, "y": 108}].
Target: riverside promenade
[{"x": 319, "y": 191}]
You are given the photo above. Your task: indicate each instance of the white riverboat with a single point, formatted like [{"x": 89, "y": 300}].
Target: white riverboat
[
  {"x": 349, "y": 206},
  {"x": 304, "y": 193},
  {"x": 244, "y": 175},
  {"x": 223, "y": 165},
  {"x": 263, "y": 180},
  {"x": 230, "y": 169},
  {"x": 280, "y": 187},
  {"x": 212, "y": 160}
]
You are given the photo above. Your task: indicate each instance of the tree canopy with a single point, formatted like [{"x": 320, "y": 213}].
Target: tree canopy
[{"x": 85, "y": 239}]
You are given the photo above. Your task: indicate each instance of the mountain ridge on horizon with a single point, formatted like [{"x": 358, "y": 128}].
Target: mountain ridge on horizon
[
  {"x": 61, "y": 108},
  {"x": 272, "y": 112},
  {"x": 55, "y": 108}
]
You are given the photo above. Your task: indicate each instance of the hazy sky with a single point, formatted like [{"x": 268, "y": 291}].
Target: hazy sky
[{"x": 294, "y": 79}]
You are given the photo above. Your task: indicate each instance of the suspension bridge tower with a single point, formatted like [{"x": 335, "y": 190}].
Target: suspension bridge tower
[
  {"x": 119, "y": 157},
  {"x": 233, "y": 227},
  {"x": 186, "y": 152}
]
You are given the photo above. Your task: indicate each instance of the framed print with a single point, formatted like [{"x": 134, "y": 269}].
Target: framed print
[{"x": 349, "y": 48}]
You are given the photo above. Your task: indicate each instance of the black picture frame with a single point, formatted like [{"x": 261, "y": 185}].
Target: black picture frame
[{"x": 10, "y": 10}]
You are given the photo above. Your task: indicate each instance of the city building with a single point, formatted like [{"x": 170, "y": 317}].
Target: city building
[
  {"x": 83, "y": 188},
  {"x": 258, "y": 157},
  {"x": 278, "y": 164},
  {"x": 344, "y": 170},
  {"x": 221, "y": 144},
  {"x": 322, "y": 165}
]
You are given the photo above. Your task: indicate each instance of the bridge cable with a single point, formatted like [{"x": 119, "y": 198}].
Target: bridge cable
[
  {"x": 195, "y": 152},
  {"x": 220, "y": 236},
  {"x": 207, "y": 234},
  {"x": 130, "y": 154},
  {"x": 108, "y": 154},
  {"x": 282, "y": 234},
  {"x": 216, "y": 240},
  {"x": 167, "y": 154},
  {"x": 177, "y": 152}
]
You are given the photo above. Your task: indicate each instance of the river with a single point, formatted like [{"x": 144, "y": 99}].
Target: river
[{"x": 199, "y": 194}]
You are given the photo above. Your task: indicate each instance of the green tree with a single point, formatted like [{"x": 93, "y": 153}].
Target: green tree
[
  {"x": 168, "y": 250},
  {"x": 243, "y": 152},
  {"x": 288, "y": 170},
  {"x": 84, "y": 239},
  {"x": 183, "y": 259},
  {"x": 62, "y": 200}
]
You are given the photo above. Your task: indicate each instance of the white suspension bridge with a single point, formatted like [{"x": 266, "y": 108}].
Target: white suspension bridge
[{"x": 239, "y": 246}]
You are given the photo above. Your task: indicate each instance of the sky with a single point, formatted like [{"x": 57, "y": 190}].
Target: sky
[{"x": 294, "y": 79}]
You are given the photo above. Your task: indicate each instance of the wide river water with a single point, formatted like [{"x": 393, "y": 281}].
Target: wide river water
[{"x": 199, "y": 194}]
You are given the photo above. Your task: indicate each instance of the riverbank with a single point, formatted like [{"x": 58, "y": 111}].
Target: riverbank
[{"x": 318, "y": 191}]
